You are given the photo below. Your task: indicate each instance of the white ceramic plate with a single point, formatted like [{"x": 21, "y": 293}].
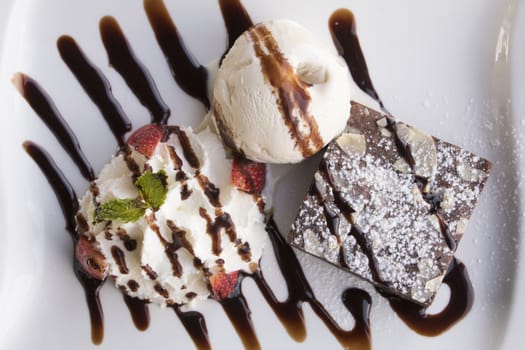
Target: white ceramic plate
[{"x": 444, "y": 66}]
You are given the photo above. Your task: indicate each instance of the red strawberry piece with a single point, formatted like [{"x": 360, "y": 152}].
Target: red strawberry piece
[
  {"x": 91, "y": 260},
  {"x": 223, "y": 284},
  {"x": 248, "y": 176},
  {"x": 146, "y": 139}
]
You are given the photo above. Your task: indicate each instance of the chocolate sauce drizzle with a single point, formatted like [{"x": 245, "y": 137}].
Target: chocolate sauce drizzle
[
  {"x": 434, "y": 200},
  {"x": 239, "y": 313},
  {"x": 68, "y": 201},
  {"x": 92, "y": 288},
  {"x": 96, "y": 85},
  {"x": 299, "y": 291},
  {"x": 67, "y": 198},
  {"x": 215, "y": 227},
  {"x": 136, "y": 75},
  {"x": 187, "y": 148},
  {"x": 347, "y": 211},
  {"x": 192, "y": 78},
  {"x": 344, "y": 35},
  {"x": 460, "y": 303},
  {"x": 170, "y": 249},
  {"x": 195, "y": 325},
  {"x": 139, "y": 312},
  {"x": 342, "y": 27},
  {"x": 129, "y": 243},
  {"x": 179, "y": 237},
  {"x": 236, "y": 19},
  {"x": 210, "y": 190},
  {"x": 120, "y": 259},
  {"x": 189, "y": 75},
  {"x": 44, "y": 107}
]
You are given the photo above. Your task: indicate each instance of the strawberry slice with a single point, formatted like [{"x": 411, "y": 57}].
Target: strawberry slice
[
  {"x": 91, "y": 260},
  {"x": 145, "y": 139},
  {"x": 248, "y": 176},
  {"x": 223, "y": 284}
]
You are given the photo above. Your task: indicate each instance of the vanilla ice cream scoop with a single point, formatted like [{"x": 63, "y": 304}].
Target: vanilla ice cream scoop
[
  {"x": 280, "y": 94},
  {"x": 167, "y": 221}
]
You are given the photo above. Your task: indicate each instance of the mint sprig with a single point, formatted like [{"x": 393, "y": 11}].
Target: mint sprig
[
  {"x": 125, "y": 210},
  {"x": 152, "y": 189}
]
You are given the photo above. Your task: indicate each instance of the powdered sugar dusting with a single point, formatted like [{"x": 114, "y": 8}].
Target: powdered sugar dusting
[{"x": 400, "y": 227}]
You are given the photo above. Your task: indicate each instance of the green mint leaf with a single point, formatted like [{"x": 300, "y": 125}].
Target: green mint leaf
[
  {"x": 125, "y": 210},
  {"x": 153, "y": 188}
]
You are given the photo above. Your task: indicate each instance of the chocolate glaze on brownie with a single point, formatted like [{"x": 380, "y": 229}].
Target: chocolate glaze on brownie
[{"x": 389, "y": 203}]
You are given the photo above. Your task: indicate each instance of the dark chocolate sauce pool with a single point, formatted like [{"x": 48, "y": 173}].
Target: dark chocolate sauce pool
[{"x": 192, "y": 78}]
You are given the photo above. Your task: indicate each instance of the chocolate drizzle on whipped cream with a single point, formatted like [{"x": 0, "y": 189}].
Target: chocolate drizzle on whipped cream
[
  {"x": 192, "y": 78},
  {"x": 214, "y": 227},
  {"x": 150, "y": 272},
  {"x": 210, "y": 190},
  {"x": 179, "y": 237},
  {"x": 129, "y": 243},
  {"x": 170, "y": 248},
  {"x": 185, "y": 143},
  {"x": 120, "y": 259}
]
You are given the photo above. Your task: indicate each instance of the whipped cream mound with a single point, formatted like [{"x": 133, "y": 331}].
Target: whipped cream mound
[
  {"x": 204, "y": 226},
  {"x": 280, "y": 94}
]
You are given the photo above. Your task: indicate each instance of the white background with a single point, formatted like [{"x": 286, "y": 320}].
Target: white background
[{"x": 455, "y": 69}]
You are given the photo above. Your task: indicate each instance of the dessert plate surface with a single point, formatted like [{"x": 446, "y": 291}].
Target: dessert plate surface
[{"x": 454, "y": 69}]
